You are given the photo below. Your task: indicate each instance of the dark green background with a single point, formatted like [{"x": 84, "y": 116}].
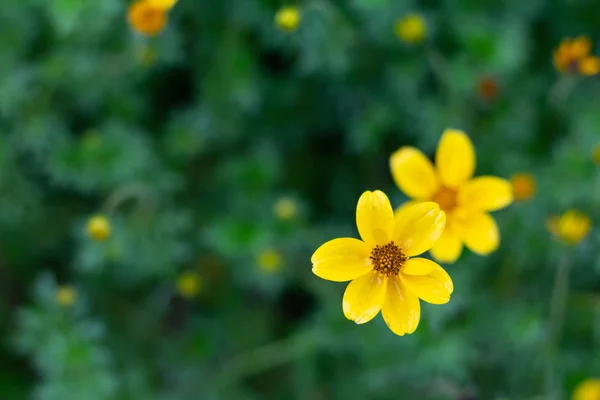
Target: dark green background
[{"x": 234, "y": 113}]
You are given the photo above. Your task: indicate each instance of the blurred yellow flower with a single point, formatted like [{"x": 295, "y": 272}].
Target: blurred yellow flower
[
  {"x": 285, "y": 208},
  {"x": 65, "y": 296},
  {"x": 573, "y": 56},
  {"x": 571, "y": 227},
  {"x": 188, "y": 284},
  {"x": 288, "y": 18},
  {"x": 466, "y": 200},
  {"x": 411, "y": 28},
  {"x": 98, "y": 227},
  {"x": 162, "y": 4},
  {"x": 588, "y": 389},
  {"x": 523, "y": 186},
  {"x": 269, "y": 260},
  {"x": 382, "y": 273},
  {"x": 145, "y": 18},
  {"x": 596, "y": 154}
]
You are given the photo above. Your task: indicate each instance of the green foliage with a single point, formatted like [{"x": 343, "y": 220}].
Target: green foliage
[{"x": 186, "y": 140}]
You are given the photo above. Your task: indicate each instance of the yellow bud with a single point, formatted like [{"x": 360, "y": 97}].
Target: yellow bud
[
  {"x": 285, "y": 208},
  {"x": 65, "y": 296},
  {"x": 269, "y": 260},
  {"x": 596, "y": 154},
  {"x": 288, "y": 18},
  {"x": 188, "y": 284},
  {"x": 411, "y": 28},
  {"x": 571, "y": 228},
  {"x": 162, "y": 4},
  {"x": 145, "y": 18},
  {"x": 523, "y": 186},
  {"x": 588, "y": 389},
  {"x": 98, "y": 227}
]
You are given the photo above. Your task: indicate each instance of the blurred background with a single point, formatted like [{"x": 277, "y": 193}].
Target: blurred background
[{"x": 167, "y": 170}]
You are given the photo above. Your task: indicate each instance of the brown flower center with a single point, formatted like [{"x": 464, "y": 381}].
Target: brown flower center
[
  {"x": 388, "y": 259},
  {"x": 446, "y": 198}
]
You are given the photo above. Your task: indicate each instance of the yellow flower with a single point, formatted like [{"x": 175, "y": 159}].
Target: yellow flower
[
  {"x": 162, "y": 4},
  {"x": 382, "y": 273},
  {"x": 589, "y": 389},
  {"x": 571, "y": 228},
  {"x": 146, "y": 18},
  {"x": 411, "y": 28},
  {"x": 269, "y": 260},
  {"x": 288, "y": 18},
  {"x": 188, "y": 284},
  {"x": 596, "y": 154},
  {"x": 285, "y": 208},
  {"x": 466, "y": 200},
  {"x": 523, "y": 186},
  {"x": 65, "y": 296},
  {"x": 98, "y": 227},
  {"x": 573, "y": 56}
]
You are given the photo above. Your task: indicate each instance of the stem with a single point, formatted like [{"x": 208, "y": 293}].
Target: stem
[
  {"x": 138, "y": 192},
  {"x": 561, "y": 90},
  {"x": 558, "y": 304},
  {"x": 439, "y": 69},
  {"x": 269, "y": 356}
]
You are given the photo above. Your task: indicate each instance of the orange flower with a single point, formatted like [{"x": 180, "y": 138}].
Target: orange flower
[
  {"x": 573, "y": 56},
  {"x": 146, "y": 18},
  {"x": 523, "y": 186},
  {"x": 488, "y": 88}
]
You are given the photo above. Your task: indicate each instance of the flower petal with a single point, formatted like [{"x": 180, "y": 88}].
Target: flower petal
[
  {"x": 364, "y": 297},
  {"x": 455, "y": 158},
  {"x": 448, "y": 247},
  {"x": 434, "y": 288},
  {"x": 374, "y": 218},
  {"x": 404, "y": 207},
  {"x": 418, "y": 266},
  {"x": 341, "y": 260},
  {"x": 589, "y": 66},
  {"x": 479, "y": 232},
  {"x": 401, "y": 310},
  {"x": 581, "y": 47},
  {"x": 485, "y": 193},
  {"x": 418, "y": 227},
  {"x": 413, "y": 173}
]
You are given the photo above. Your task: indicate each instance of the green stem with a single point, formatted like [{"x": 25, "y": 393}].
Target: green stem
[
  {"x": 269, "y": 356},
  {"x": 558, "y": 305},
  {"x": 138, "y": 192},
  {"x": 560, "y": 91}
]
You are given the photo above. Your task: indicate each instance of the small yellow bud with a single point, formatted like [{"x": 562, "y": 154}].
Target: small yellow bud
[
  {"x": 65, "y": 296},
  {"x": 411, "y": 28},
  {"x": 588, "y": 389},
  {"x": 98, "y": 227},
  {"x": 285, "y": 208},
  {"x": 288, "y": 18},
  {"x": 571, "y": 228},
  {"x": 162, "y": 4},
  {"x": 269, "y": 260},
  {"x": 523, "y": 186},
  {"x": 596, "y": 154},
  {"x": 188, "y": 284},
  {"x": 146, "y": 18}
]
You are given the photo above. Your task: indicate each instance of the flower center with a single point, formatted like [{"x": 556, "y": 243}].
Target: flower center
[
  {"x": 573, "y": 66},
  {"x": 446, "y": 198},
  {"x": 387, "y": 260}
]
